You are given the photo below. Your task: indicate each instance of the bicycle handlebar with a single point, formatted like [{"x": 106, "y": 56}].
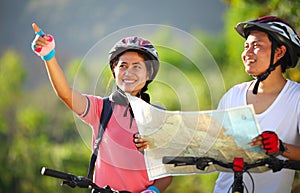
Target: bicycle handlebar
[
  {"x": 79, "y": 181},
  {"x": 201, "y": 162},
  {"x": 57, "y": 174}
]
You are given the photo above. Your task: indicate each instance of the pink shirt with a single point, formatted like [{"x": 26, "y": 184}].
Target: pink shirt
[{"x": 119, "y": 164}]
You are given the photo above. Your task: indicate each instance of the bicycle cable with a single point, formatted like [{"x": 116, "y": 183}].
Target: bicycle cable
[{"x": 252, "y": 181}]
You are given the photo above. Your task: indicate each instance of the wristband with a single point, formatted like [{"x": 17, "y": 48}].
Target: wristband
[
  {"x": 153, "y": 188},
  {"x": 49, "y": 56},
  {"x": 282, "y": 147}
]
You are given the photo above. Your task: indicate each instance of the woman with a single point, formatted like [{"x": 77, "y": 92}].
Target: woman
[{"x": 134, "y": 63}]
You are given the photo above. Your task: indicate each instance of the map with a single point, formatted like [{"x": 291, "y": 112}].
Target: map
[{"x": 219, "y": 134}]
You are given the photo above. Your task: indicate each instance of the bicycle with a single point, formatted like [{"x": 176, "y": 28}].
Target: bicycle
[
  {"x": 238, "y": 166},
  {"x": 78, "y": 181}
]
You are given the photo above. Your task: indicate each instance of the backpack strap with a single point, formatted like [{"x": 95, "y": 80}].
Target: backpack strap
[{"x": 104, "y": 118}]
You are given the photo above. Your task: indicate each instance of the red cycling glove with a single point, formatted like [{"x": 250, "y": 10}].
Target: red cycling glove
[{"x": 271, "y": 143}]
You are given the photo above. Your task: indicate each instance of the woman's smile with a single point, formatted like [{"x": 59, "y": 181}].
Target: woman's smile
[{"x": 131, "y": 73}]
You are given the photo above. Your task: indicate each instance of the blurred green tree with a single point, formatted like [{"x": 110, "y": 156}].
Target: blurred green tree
[
  {"x": 35, "y": 130},
  {"x": 243, "y": 10}
]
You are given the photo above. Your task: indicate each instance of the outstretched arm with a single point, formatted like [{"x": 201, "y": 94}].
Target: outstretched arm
[{"x": 73, "y": 99}]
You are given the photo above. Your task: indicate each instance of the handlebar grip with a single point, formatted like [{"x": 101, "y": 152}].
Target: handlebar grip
[
  {"x": 291, "y": 164},
  {"x": 179, "y": 160},
  {"x": 56, "y": 174}
]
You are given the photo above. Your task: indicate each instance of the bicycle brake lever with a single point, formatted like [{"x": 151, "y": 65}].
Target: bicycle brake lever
[
  {"x": 80, "y": 181},
  {"x": 83, "y": 182},
  {"x": 69, "y": 183},
  {"x": 202, "y": 163},
  {"x": 275, "y": 164}
]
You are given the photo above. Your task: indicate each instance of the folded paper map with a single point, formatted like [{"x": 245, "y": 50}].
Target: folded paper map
[{"x": 219, "y": 134}]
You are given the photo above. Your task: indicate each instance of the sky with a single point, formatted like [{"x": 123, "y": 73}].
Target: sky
[
  {"x": 94, "y": 19},
  {"x": 76, "y": 25}
]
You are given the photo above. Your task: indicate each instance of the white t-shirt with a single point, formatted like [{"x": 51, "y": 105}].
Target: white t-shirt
[{"x": 282, "y": 117}]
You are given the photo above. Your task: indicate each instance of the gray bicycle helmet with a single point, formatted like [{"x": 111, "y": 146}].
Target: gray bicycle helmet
[
  {"x": 136, "y": 44},
  {"x": 281, "y": 33}
]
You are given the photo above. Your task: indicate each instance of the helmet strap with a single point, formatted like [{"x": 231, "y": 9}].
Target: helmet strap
[{"x": 268, "y": 71}]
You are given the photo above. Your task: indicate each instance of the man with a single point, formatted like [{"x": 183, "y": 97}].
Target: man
[{"x": 271, "y": 47}]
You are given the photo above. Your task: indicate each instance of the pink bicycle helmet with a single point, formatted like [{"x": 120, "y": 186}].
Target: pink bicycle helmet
[{"x": 138, "y": 44}]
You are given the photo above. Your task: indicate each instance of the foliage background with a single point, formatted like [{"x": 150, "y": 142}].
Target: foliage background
[{"x": 36, "y": 129}]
